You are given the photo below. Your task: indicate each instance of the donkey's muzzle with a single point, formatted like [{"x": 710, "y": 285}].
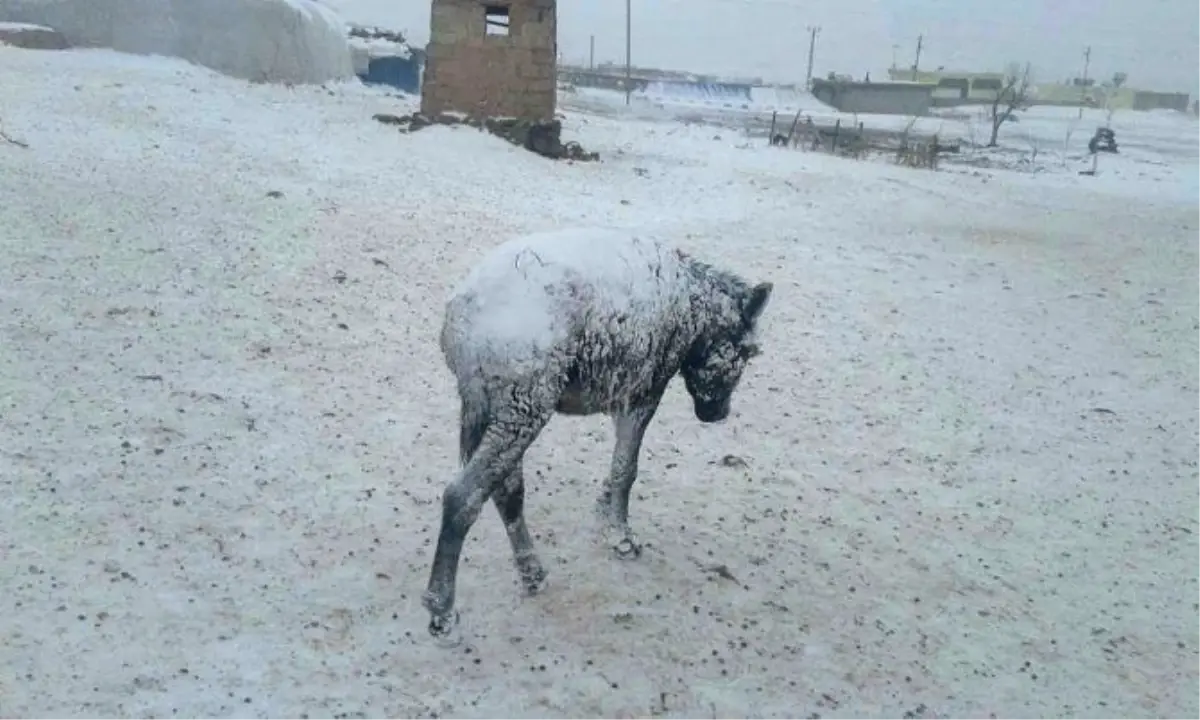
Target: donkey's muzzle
[{"x": 711, "y": 412}]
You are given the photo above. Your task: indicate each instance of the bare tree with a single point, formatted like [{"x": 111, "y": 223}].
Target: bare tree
[
  {"x": 1072, "y": 125},
  {"x": 1012, "y": 96},
  {"x": 1034, "y": 146}
]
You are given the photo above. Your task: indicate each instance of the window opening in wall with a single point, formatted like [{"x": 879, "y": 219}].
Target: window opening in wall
[{"x": 495, "y": 19}]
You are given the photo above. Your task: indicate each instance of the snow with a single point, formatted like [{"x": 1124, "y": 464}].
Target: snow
[
  {"x": 521, "y": 307},
  {"x": 1058, "y": 133},
  {"x": 700, "y": 93},
  {"x": 283, "y": 41},
  {"x": 517, "y": 282},
  {"x": 660, "y": 96},
  {"x": 21, "y": 26},
  {"x": 961, "y": 479},
  {"x": 378, "y": 43},
  {"x": 787, "y": 99},
  {"x": 379, "y": 47},
  {"x": 33, "y": 37}
]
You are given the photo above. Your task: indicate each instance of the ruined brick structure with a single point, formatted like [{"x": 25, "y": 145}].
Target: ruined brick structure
[{"x": 492, "y": 58}]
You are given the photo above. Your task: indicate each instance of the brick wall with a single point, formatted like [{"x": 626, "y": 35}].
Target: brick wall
[{"x": 470, "y": 71}]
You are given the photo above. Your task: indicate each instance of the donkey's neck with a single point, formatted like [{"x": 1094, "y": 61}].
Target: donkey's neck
[{"x": 714, "y": 295}]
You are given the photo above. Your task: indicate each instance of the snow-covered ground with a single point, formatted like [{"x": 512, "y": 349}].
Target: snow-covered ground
[
  {"x": 680, "y": 96},
  {"x": 961, "y": 481},
  {"x": 1058, "y": 135}
]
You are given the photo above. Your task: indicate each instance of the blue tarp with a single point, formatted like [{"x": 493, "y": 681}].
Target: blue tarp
[{"x": 397, "y": 72}]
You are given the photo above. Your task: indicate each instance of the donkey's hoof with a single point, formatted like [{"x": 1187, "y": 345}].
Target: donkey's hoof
[
  {"x": 628, "y": 549},
  {"x": 445, "y": 629},
  {"x": 533, "y": 579}
]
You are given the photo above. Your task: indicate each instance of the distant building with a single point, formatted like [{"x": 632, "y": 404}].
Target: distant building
[
  {"x": 1106, "y": 96},
  {"x": 885, "y": 98},
  {"x": 1148, "y": 100},
  {"x": 492, "y": 59},
  {"x": 954, "y": 88},
  {"x": 1075, "y": 95}
]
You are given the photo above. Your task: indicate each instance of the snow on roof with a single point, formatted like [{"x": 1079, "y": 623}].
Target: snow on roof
[
  {"x": 379, "y": 42},
  {"x": 23, "y": 26}
]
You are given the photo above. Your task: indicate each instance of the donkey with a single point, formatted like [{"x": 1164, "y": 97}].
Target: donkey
[{"x": 577, "y": 322}]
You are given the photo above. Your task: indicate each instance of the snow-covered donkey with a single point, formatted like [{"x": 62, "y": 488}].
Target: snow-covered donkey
[{"x": 577, "y": 322}]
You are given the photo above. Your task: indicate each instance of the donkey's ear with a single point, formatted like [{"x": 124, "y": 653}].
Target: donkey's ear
[{"x": 758, "y": 300}]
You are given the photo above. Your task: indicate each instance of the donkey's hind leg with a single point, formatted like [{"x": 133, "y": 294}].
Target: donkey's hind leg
[
  {"x": 509, "y": 498},
  {"x": 496, "y": 457}
]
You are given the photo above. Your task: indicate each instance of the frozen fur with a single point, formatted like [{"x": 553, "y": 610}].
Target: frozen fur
[{"x": 578, "y": 322}]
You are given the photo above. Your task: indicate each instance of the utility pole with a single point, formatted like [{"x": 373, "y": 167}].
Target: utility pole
[
  {"x": 917, "y": 61},
  {"x": 812, "y": 44},
  {"x": 1083, "y": 87},
  {"x": 628, "y": 51},
  {"x": 591, "y": 52}
]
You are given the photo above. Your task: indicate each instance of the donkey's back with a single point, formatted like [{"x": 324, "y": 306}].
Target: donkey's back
[{"x": 532, "y": 299}]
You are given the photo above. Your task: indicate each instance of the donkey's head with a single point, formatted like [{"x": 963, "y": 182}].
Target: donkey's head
[{"x": 715, "y": 362}]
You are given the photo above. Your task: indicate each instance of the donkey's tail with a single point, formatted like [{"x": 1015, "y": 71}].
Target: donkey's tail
[{"x": 473, "y": 420}]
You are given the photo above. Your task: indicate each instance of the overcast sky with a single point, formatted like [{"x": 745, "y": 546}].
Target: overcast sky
[{"x": 1154, "y": 41}]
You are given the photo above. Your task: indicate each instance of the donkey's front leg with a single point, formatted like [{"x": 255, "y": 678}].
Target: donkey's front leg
[{"x": 614, "y": 500}]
